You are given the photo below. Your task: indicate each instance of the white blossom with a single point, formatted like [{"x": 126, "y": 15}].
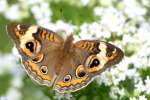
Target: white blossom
[
  {"x": 113, "y": 20},
  {"x": 133, "y": 98},
  {"x": 142, "y": 97},
  {"x": 147, "y": 85},
  {"x": 85, "y": 2},
  {"x": 13, "y": 94},
  {"x": 13, "y": 12},
  {"x": 140, "y": 86},
  {"x": 98, "y": 11},
  {"x": 133, "y": 9},
  {"x": 3, "y": 5}
]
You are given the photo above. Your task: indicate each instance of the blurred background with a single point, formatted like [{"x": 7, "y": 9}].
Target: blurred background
[{"x": 125, "y": 23}]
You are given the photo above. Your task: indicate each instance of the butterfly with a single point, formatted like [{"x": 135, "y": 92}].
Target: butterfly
[{"x": 59, "y": 62}]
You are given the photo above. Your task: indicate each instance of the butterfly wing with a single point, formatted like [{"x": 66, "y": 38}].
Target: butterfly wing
[
  {"x": 36, "y": 46},
  {"x": 88, "y": 59},
  {"x": 103, "y": 53}
]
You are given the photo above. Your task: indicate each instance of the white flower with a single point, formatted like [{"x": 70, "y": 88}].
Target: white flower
[
  {"x": 46, "y": 9},
  {"x": 85, "y": 2},
  {"x": 32, "y": 2},
  {"x": 116, "y": 92},
  {"x": 106, "y": 2},
  {"x": 13, "y": 94},
  {"x": 147, "y": 85},
  {"x": 123, "y": 65},
  {"x": 8, "y": 62},
  {"x": 133, "y": 9},
  {"x": 140, "y": 86},
  {"x": 98, "y": 11},
  {"x": 43, "y": 21},
  {"x": 115, "y": 76},
  {"x": 84, "y": 33},
  {"x": 127, "y": 38},
  {"x": 59, "y": 96},
  {"x": 133, "y": 98},
  {"x": 121, "y": 92},
  {"x": 113, "y": 92},
  {"x": 113, "y": 20},
  {"x": 143, "y": 32},
  {"x": 50, "y": 26},
  {"x": 142, "y": 97},
  {"x": 68, "y": 28},
  {"x": 41, "y": 12},
  {"x": 36, "y": 11},
  {"x": 104, "y": 78},
  {"x": 17, "y": 82},
  {"x": 145, "y": 2},
  {"x": 93, "y": 30},
  {"x": 13, "y": 13},
  {"x": 3, "y": 5}
]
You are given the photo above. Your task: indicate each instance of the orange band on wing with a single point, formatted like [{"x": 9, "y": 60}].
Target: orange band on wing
[
  {"x": 95, "y": 69},
  {"x": 36, "y": 69},
  {"x": 17, "y": 33},
  {"x": 51, "y": 37},
  {"x": 43, "y": 34},
  {"x": 91, "y": 46},
  {"x": 112, "y": 57},
  {"x": 73, "y": 82},
  {"x": 27, "y": 52},
  {"x": 84, "y": 45}
]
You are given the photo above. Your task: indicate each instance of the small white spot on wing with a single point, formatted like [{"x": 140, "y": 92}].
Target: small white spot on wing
[{"x": 18, "y": 27}]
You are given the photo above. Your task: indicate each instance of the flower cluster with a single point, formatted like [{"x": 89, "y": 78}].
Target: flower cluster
[{"x": 123, "y": 22}]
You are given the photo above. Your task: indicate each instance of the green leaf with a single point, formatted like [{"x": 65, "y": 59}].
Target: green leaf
[
  {"x": 5, "y": 41},
  {"x": 93, "y": 92},
  {"x": 5, "y": 83},
  {"x": 71, "y": 13}
]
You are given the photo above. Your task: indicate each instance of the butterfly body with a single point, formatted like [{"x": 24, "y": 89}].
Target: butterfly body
[{"x": 60, "y": 63}]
